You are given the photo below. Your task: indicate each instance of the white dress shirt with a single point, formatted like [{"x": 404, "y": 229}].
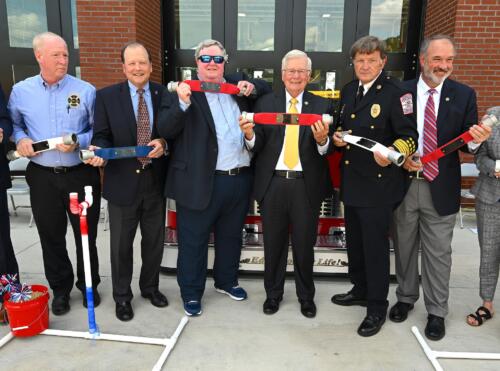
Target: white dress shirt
[{"x": 422, "y": 97}]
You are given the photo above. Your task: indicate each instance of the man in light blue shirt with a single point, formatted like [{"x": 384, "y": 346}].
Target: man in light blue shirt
[
  {"x": 209, "y": 175},
  {"x": 50, "y": 105}
]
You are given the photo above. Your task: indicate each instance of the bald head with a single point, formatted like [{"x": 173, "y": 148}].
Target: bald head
[
  {"x": 51, "y": 53},
  {"x": 40, "y": 40}
]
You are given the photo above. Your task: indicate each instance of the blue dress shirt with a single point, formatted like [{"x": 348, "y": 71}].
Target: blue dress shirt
[
  {"x": 41, "y": 111},
  {"x": 232, "y": 151}
]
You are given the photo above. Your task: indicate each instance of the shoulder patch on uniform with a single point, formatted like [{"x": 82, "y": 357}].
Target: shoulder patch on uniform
[{"x": 407, "y": 103}]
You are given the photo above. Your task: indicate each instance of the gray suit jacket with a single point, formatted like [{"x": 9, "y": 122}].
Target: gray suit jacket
[{"x": 487, "y": 187}]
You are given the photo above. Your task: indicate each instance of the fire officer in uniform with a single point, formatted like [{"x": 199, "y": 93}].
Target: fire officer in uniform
[{"x": 375, "y": 107}]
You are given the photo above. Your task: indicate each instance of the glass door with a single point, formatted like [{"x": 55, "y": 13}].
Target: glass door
[
  {"x": 20, "y": 21},
  {"x": 258, "y": 33}
]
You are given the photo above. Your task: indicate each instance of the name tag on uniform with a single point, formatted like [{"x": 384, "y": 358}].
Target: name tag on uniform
[{"x": 407, "y": 104}]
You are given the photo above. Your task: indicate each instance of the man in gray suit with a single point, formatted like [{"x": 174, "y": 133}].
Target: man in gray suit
[{"x": 426, "y": 217}]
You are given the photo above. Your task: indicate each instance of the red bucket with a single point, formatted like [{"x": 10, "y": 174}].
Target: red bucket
[{"x": 31, "y": 317}]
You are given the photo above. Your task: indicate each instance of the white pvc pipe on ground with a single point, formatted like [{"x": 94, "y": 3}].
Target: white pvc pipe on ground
[
  {"x": 6, "y": 339},
  {"x": 168, "y": 343},
  {"x": 171, "y": 344},
  {"x": 466, "y": 355},
  {"x": 428, "y": 351},
  {"x": 433, "y": 355},
  {"x": 110, "y": 337}
]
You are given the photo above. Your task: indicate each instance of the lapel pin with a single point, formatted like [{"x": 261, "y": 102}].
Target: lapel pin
[
  {"x": 379, "y": 87},
  {"x": 306, "y": 103},
  {"x": 447, "y": 99}
]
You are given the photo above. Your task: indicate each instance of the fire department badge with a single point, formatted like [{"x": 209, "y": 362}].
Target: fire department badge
[
  {"x": 375, "y": 110},
  {"x": 73, "y": 101},
  {"x": 407, "y": 104}
]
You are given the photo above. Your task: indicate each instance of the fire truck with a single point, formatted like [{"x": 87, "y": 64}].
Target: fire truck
[{"x": 330, "y": 255}]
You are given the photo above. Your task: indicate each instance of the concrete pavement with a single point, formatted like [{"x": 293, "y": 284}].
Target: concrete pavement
[{"x": 232, "y": 335}]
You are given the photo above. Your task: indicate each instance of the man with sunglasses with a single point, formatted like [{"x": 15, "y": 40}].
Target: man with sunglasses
[{"x": 209, "y": 175}]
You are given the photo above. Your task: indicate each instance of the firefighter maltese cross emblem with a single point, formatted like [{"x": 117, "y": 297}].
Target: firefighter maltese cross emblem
[{"x": 73, "y": 101}]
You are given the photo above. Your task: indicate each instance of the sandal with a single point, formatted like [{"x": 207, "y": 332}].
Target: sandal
[{"x": 482, "y": 314}]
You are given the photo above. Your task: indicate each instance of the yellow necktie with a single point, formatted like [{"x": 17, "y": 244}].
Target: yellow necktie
[{"x": 291, "y": 157}]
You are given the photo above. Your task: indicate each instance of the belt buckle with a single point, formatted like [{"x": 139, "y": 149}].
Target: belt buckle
[
  {"x": 419, "y": 174},
  {"x": 233, "y": 171},
  {"x": 59, "y": 169},
  {"x": 286, "y": 176},
  {"x": 145, "y": 166}
]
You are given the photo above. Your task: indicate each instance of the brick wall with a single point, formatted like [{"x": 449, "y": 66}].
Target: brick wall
[
  {"x": 478, "y": 35},
  {"x": 105, "y": 26},
  {"x": 149, "y": 33},
  {"x": 440, "y": 17},
  {"x": 475, "y": 26}
]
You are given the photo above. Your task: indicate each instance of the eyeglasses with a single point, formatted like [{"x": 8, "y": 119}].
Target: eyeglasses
[
  {"x": 218, "y": 59},
  {"x": 298, "y": 72}
]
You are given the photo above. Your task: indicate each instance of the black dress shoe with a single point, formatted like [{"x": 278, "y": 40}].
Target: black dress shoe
[
  {"x": 271, "y": 305},
  {"x": 156, "y": 298},
  {"x": 399, "y": 311},
  {"x": 307, "y": 308},
  {"x": 124, "y": 311},
  {"x": 97, "y": 298},
  {"x": 435, "y": 327},
  {"x": 60, "y": 304},
  {"x": 371, "y": 325},
  {"x": 348, "y": 299}
]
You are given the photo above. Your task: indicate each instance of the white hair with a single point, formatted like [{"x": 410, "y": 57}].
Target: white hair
[
  {"x": 295, "y": 53},
  {"x": 40, "y": 39}
]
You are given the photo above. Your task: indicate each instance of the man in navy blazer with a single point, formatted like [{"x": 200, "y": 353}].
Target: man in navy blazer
[
  {"x": 133, "y": 188},
  {"x": 8, "y": 263},
  {"x": 290, "y": 189},
  {"x": 426, "y": 217},
  {"x": 209, "y": 175}
]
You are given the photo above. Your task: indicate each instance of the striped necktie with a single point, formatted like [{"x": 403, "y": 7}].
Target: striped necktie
[
  {"x": 431, "y": 169},
  {"x": 143, "y": 127},
  {"x": 291, "y": 156}
]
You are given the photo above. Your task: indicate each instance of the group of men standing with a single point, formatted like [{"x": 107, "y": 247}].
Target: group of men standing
[
  {"x": 219, "y": 160},
  {"x": 417, "y": 205}
]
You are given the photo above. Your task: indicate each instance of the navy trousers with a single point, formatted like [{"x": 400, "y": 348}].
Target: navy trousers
[
  {"x": 224, "y": 216},
  {"x": 367, "y": 239}
]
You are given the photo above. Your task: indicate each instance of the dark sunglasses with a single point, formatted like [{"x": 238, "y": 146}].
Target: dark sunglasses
[{"x": 218, "y": 59}]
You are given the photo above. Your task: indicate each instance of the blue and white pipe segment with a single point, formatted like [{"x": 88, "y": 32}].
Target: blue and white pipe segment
[
  {"x": 116, "y": 153},
  {"x": 81, "y": 210}
]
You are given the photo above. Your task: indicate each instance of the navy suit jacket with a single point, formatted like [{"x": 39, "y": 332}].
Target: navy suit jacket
[
  {"x": 269, "y": 143},
  {"x": 457, "y": 113},
  {"x": 115, "y": 126},
  {"x": 194, "y": 153},
  {"x": 380, "y": 117},
  {"x": 6, "y": 125}
]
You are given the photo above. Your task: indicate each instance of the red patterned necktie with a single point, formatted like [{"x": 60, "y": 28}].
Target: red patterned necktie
[
  {"x": 431, "y": 169},
  {"x": 143, "y": 128}
]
